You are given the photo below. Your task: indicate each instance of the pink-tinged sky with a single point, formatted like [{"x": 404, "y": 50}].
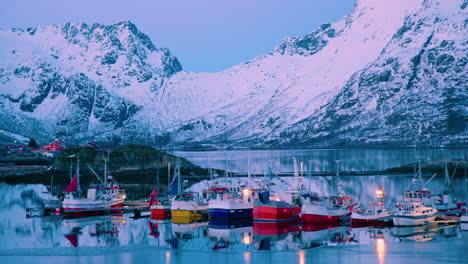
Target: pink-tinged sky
[{"x": 206, "y": 35}]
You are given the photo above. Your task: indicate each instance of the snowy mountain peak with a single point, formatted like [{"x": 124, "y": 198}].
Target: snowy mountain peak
[{"x": 392, "y": 72}]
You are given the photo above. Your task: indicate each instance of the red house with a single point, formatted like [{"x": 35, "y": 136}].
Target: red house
[{"x": 54, "y": 146}]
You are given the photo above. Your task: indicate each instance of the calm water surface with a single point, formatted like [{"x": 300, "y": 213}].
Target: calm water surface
[
  {"x": 122, "y": 239},
  {"x": 319, "y": 160}
]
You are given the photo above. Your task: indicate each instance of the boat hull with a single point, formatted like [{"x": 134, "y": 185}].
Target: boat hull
[
  {"x": 381, "y": 219},
  {"x": 413, "y": 220},
  {"x": 315, "y": 218},
  {"x": 193, "y": 215},
  {"x": 230, "y": 213},
  {"x": 275, "y": 212},
  {"x": 82, "y": 209},
  {"x": 160, "y": 214}
]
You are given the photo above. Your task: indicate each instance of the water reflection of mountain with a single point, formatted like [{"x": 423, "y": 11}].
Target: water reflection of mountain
[{"x": 320, "y": 159}]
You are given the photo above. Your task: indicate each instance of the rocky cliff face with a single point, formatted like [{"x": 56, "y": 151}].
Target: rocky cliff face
[
  {"x": 392, "y": 72},
  {"x": 73, "y": 78}
]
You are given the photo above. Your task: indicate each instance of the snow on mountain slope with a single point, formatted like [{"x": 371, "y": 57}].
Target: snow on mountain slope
[
  {"x": 414, "y": 93},
  {"x": 87, "y": 81},
  {"x": 282, "y": 87}
]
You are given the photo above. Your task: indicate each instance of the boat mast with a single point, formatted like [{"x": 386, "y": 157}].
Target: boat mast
[
  {"x": 248, "y": 170},
  {"x": 309, "y": 171},
  {"x": 105, "y": 171},
  {"x": 296, "y": 173},
  {"x": 78, "y": 188},
  {"x": 338, "y": 181},
  {"x": 177, "y": 173}
]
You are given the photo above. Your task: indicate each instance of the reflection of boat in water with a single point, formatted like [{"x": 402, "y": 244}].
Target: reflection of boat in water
[
  {"x": 316, "y": 234},
  {"x": 414, "y": 233},
  {"x": 274, "y": 230},
  {"x": 229, "y": 223},
  {"x": 277, "y": 236},
  {"x": 227, "y": 233},
  {"x": 371, "y": 235},
  {"x": 187, "y": 230},
  {"x": 155, "y": 226},
  {"x": 97, "y": 226}
]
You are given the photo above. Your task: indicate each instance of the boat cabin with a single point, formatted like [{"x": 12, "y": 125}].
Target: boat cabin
[{"x": 413, "y": 208}]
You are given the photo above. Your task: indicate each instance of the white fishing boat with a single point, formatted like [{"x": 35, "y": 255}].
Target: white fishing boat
[
  {"x": 105, "y": 195},
  {"x": 412, "y": 213},
  {"x": 445, "y": 202}
]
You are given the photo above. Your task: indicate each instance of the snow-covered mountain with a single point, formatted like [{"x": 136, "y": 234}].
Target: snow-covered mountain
[{"x": 391, "y": 72}]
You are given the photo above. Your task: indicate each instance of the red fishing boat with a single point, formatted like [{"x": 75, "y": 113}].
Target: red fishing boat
[
  {"x": 160, "y": 208},
  {"x": 323, "y": 209},
  {"x": 268, "y": 210},
  {"x": 272, "y": 209}
]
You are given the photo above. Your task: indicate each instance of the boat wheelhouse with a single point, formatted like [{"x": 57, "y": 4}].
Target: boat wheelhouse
[{"x": 412, "y": 213}]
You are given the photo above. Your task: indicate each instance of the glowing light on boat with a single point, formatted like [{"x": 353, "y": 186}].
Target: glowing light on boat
[
  {"x": 379, "y": 193},
  {"x": 246, "y": 239}
]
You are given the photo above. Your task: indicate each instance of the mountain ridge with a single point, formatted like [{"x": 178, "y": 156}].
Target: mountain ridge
[{"x": 364, "y": 80}]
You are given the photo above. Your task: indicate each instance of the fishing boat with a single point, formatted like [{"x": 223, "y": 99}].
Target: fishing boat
[
  {"x": 446, "y": 202},
  {"x": 322, "y": 209},
  {"x": 233, "y": 202},
  {"x": 375, "y": 214},
  {"x": 186, "y": 204},
  {"x": 160, "y": 207},
  {"x": 272, "y": 209},
  {"x": 100, "y": 198},
  {"x": 413, "y": 213}
]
